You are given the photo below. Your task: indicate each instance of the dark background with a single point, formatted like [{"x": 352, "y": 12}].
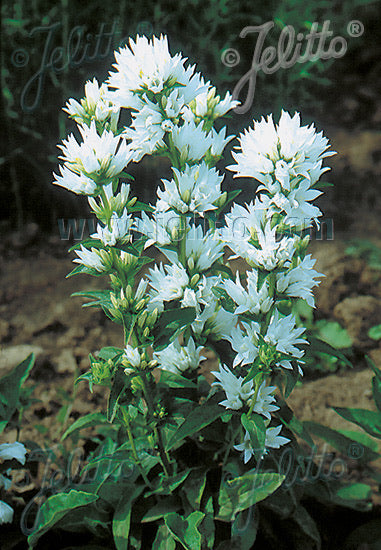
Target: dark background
[{"x": 335, "y": 94}]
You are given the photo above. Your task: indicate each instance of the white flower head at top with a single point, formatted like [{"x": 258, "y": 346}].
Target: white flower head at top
[
  {"x": 100, "y": 157},
  {"x": 147, "y": 66},
  {"x": 281, "y": 153},
  {"x": 95, "y": 104},
  {"x": 196, "y": 189},
  {"x": 177, "y": 358}
]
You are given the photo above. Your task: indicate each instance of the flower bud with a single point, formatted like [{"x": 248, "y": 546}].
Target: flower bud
[
  {"x": 142, "y": 319},
  {"x": 195, "y": 279},
  {"x": 131, "y": 203},
  {"x": 140, "y": 304},
  {"x": 191, "y": 263}
]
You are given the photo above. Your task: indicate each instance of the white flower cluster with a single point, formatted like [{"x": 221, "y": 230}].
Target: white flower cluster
[
  {"x": 168, "y": 101},
  {"x": 173, "y": 111},
  {"x": 9, "y": 451}
]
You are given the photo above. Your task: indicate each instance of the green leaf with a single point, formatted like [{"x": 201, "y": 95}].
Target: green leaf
[
  {"x": 244, "y": 491},
  {"x": 10, "y": 386},
  {"x": 207, "y": 527},
  {"x": 227, "y": 303},
  {"x": 171, "y": 322},
  {"x": 164, "y": 539},
  {"x": 307, "y": 524},
  {"x": 92, "y": 419},
  {"x": 122, "y": 519},
  {"x": 140, "y": 206},
  {"x": 55, "y": 508},
  {"x": 194, "y": 487},
  {"x": 256, "y": 428},
  {"x": 355, "y": 491},
  {"x": 89, "y": 242},
  {"x": 118, "y": 386},
  {"x": 341, "y": 442},
  {"x": 163, "y": 507},
  {"x": 375, "y": 332},
  {"x": 173, "y": 380},
  {"x": 185, "y": 530},
  {"x": 334, "y": 334},
  {"x": 376, "y": 383},
  {"x": 288, "y": 418},
  {"x": 369, "y": 421},
  {"x": 199, "y": 418},
  {"x": 324, "y": 347},
  {"x": 81, "y": 269},
  {"x": 167, "y": 485},
  {"x": 109, "y": 352},
  {"x": 245, "y": 528}
]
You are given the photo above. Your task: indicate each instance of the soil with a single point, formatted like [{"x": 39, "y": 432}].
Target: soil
[{"x": 38, "y": 314}]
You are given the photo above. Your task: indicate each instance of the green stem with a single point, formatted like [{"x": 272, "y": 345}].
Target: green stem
[
  {"x": 182, "y": 242},
  {"x": 163, "y": 454},
  {"x": 272, "y": 294},
  {"x": 258, "y": 384},
  {"x": 132, "y": 443}
]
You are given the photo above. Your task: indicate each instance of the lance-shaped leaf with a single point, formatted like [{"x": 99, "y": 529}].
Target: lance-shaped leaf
[
  {"x": 242, "y": 492},
  {"x": 10, "y": 386},
  {"x": 255, "y": 426},
  {"x": 199, "y": 418},
  {"x": 55, "y": 508},
  {"x": 92, "y": 419},
  {"x": 185, "y": 530},
  {"x": 369, "y": 421}
]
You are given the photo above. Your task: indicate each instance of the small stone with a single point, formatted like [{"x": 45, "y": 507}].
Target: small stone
[
  {"x": 65, "y": 362},
  {"x": 4, "y": 330}
]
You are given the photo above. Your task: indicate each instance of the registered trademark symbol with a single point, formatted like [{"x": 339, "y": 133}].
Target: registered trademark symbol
[
  {"x": 355, "y": 450},
  {"x": 355, "y": 28}
]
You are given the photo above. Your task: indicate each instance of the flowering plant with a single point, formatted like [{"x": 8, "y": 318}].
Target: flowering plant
[{"x": 199, "y": 445}]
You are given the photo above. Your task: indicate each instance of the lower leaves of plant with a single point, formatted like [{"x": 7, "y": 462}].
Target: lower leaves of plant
[{"x": 197, "y": 458}]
